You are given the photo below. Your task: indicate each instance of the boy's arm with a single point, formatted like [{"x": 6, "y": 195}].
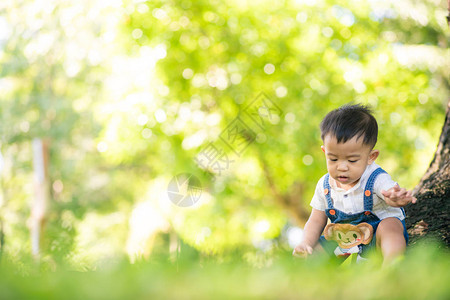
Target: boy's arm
[
  {"x": 398, "y": 197},
  {"x": 312, "y": 231},
  {"x": 391, "y": 193}
]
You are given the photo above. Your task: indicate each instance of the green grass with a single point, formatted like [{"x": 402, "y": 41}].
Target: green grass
[{"x": 422, "y": 274}]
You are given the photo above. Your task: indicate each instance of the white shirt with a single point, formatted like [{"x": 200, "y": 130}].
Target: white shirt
[{"x": 352, "y": 201}]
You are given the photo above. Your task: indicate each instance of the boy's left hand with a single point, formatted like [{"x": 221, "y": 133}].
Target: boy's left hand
[{"x": 398, "y": 197}]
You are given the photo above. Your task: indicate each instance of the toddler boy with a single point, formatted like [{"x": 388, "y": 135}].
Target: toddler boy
[{"x": 356, "y": 189}]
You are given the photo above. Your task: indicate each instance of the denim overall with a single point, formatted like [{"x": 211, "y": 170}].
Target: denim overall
[{"x": 337, "y": 216}]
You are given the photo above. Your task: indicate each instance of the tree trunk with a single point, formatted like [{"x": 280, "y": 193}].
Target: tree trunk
[
  {"x": 41, "y": 198},
  {"x": 429, "y": 217}
]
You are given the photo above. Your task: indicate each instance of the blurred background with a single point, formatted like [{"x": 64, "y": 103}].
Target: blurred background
[{"x": 104, "y": 102}]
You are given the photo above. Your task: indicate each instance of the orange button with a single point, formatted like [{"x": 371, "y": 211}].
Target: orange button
[
  {"x": 325, "y": 191},
  {"x": 332, "y": 212},
  {"x": 367, "y": 213},
  {"x": 367, "y": 193}
]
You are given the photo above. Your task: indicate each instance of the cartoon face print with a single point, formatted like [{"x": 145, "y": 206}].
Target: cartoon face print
[
  {"x": 349, "y": 238},
  {"x": 348, "y": 235}
]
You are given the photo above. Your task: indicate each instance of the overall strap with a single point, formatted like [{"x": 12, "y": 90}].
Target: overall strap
[
  {"x": 368, "y": 190},
  {"x": 327, "y": 191}
]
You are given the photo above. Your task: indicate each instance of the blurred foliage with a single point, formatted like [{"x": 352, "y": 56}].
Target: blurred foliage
[
  {"x": 130, "y": 92},
  {"x": 422, "y": 275}
]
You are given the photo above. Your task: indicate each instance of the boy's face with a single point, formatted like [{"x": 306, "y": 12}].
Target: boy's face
[{"x": 346, "y": 162}]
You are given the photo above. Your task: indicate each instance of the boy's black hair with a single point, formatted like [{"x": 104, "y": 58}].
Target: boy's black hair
[{"x": 351, "y": 120}]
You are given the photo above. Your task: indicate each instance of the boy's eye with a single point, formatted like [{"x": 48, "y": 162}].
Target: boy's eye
[
  {"x": 333, "y": 159},
  {"x": 353, "y": 161}
]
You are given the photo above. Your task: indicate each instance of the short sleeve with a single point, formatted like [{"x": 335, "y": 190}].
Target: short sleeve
[
  {"x": 318, "y": 201},
  {"x": 383, "y": 183}
]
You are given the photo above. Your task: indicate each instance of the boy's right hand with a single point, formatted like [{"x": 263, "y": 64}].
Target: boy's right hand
[{"x": 302, "y": 250}]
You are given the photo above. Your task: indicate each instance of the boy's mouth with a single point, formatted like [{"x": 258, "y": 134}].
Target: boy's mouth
[{"x": 343, "y": 178}]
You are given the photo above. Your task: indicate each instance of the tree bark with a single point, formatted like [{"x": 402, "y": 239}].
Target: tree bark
[{"x": 429, "y": 217}]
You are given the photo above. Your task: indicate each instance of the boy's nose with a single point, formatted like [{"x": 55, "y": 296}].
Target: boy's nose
[{"x": 342, "y": 167}]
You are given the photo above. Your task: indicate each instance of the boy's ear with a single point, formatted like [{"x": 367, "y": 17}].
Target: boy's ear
[
  {"x": 373, "y": 155},
  {"x": 323, "y": 148}
]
